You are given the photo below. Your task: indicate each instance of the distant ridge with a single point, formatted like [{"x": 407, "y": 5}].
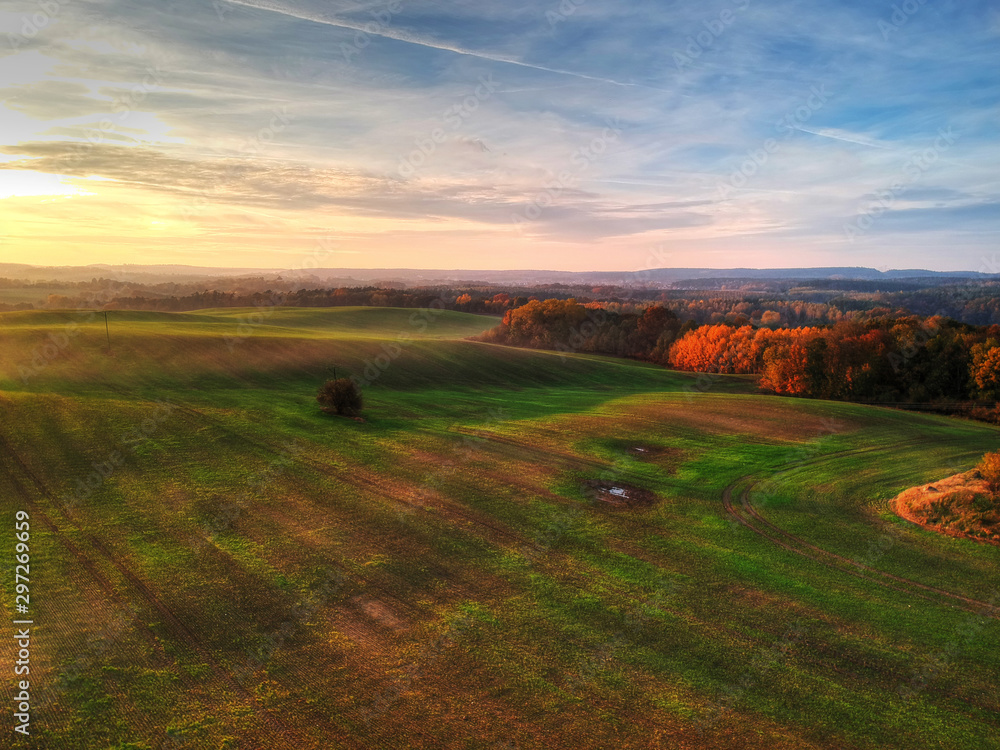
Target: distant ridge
[{"x": 416, "y": 276}]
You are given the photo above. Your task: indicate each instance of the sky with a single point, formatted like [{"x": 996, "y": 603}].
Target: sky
[{"x": 477, "y": 134}]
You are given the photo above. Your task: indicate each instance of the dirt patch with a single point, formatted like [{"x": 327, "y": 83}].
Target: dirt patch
[
  {"x": 369, "y": 623},
  {"x": 958, "y": 506},
  {"x": 668, "y": 459},
  {"x": 380, "y": 612},
  {"x": 618, "y": 494}
]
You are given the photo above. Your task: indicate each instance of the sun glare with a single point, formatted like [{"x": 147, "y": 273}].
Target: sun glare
[{"x": 16, "y": 183}]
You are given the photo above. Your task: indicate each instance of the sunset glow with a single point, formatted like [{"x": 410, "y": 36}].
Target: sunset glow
[{"x": 441, "y": 134}]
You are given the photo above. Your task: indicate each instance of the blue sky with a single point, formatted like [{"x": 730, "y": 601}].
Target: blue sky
[{"x": 576, "y": 135}]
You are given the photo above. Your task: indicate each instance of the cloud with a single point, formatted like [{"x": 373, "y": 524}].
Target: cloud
[
  {"x": 377, "y": 21},
  {"x": 52, "y": 100},
  {"x": 845, "y": 136},
  {"x": 362, "y": 88},
  {"x": 959, "y": 219},
  {"x": 234, "y": 181}
]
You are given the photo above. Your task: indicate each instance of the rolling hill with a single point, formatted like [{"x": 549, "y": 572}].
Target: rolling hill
[{"x": 216, "y": 563}]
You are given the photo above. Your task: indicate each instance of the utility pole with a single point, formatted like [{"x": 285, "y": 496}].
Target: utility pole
[{"x": 107, "y": 330}]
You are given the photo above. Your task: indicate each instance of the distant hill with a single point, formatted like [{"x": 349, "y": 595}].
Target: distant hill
[{"x": 415, "y": 276}]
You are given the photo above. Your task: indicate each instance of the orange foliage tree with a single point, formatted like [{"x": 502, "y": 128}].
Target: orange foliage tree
[
  {"x": 989, "y": 467},
  {"x": 779, "y": 355},
  {"x": 784, "y": 370},
  {"x": 985, "y": 368}
]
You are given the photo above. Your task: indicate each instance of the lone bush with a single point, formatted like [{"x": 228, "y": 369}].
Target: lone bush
[
  {"x": 340, "y": 396},
  {"x": 989, "y": 467}
]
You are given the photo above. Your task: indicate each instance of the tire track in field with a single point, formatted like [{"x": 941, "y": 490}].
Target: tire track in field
[
  {"x": 757, "y": 523},
  {"x": 174, "y": 625},
  {"x": 745, "y": 502},
  {"x": 104, "y": 585},
  {"x": 583, "y": 463},
  {"x": 449, "y": 511},
  {"x": 353, "y": 478},
  {"x": 102, "y": 581},
  {"x": 580, "y": 462},
  {"x": 556, "y": 563},
  {"x": 360, "y": 479},
  {"x": 553, "y": 558},
  {"x": 201, "y": 418},
  {"x": 791, "y": 542}
]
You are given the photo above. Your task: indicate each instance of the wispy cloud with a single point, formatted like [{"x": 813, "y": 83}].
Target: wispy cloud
[
  {"x": 373, "y": 27},
  {"x": 846, "y": 137}
]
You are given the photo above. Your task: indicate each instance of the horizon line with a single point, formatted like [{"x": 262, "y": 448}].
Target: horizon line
[{"x": 282, "y": 269}]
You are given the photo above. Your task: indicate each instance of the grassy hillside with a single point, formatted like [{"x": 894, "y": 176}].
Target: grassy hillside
[{"x": 218, "y": 564}]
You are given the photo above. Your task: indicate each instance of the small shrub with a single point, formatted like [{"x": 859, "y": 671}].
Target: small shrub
[
  {"x": 989, "y": 468},
  {"x": 340, "y": 396},
  {"x": 982, "y": 503},
  {"x": 940, "y": 511}
]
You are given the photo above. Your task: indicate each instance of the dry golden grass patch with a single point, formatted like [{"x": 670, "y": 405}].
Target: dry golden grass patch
[
  {"x": 768, "y": 419},
  {"x": 959, "y": 506}
]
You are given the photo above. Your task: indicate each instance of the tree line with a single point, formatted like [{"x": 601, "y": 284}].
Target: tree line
[
  {"x": 821, "y": 303},
  {"x": 882, "y": 359},
  {"x": 567, "y": 325},
  {"x": 369, "y": 296}
]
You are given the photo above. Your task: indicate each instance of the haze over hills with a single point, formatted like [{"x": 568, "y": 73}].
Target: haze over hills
[{"x": 415, "y": 276}]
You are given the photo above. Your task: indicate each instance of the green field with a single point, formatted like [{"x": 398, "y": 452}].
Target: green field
[{"x": 217, "y": 564}]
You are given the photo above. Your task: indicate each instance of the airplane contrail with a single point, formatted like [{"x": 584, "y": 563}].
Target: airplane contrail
[
  {"x": 382, "y": 30},
  {"x": 838, "y": 137}
]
